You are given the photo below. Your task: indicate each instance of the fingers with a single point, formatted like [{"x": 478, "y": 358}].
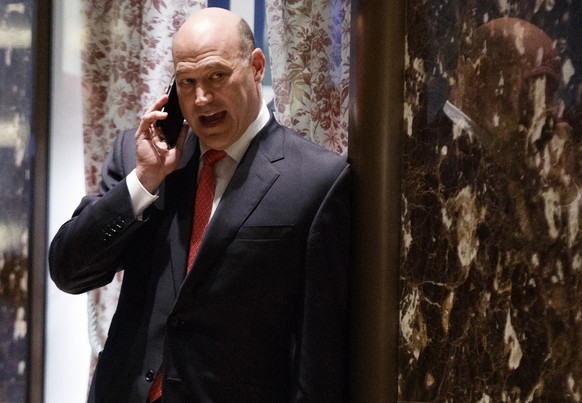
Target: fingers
[
  {"x": 154, "y": 159},
  {"x": 147, "y": 129},
  {"x": 158, "y": 104}
]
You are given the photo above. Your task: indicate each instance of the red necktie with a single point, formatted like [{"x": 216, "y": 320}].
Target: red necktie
[
  {"x": 204, "y": 199},
  {"x": 202, "y": 210}
]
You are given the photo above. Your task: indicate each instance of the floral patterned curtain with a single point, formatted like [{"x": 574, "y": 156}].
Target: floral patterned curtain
[
  {"x": 127, "y": 65},
  {"x": 309, "y": 43}
]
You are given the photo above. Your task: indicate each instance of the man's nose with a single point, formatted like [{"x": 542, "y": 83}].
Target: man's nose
[{"x": 203, "y": 96}]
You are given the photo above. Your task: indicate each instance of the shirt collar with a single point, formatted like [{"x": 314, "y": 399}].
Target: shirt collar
[
  {"x": 239, "y": 147},
  {"x": 473, "y": 130},
  {"x": 459, "y": 117}
]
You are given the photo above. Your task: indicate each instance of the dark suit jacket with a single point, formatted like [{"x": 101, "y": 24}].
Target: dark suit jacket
[{"x": 262, "y": 315}]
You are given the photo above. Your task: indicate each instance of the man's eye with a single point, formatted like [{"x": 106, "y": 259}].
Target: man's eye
[{"x": 217, "y": 75}]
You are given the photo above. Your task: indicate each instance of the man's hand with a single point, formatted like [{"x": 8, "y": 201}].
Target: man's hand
[{"x": 154, "y": 160}]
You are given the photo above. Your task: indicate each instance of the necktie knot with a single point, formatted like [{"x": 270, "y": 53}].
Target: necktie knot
[{"x": 211, "y": 157}]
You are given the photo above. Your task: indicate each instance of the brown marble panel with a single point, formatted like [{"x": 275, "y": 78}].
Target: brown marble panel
[{"x": 491, "y": 262}]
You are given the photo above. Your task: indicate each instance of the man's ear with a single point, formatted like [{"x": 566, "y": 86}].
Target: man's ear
[{"x": 258, "y": 61}]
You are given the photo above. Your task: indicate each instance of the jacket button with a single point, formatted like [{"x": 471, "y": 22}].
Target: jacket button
[{"x": 150, "y": 375}]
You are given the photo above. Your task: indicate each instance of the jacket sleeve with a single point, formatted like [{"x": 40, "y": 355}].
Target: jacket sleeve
[
  {"x": 86, "y": 251},
  {"x": 321, "y": 346}
]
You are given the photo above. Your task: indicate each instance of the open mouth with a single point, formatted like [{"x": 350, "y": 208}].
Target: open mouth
[{"x": 212, "y": 119}]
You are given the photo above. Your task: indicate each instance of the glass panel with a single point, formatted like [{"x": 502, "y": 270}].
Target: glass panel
[{"x": 15, "y": 195}]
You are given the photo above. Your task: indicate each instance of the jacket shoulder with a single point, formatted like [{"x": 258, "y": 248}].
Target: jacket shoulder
[{"x": 299, "y": 149}]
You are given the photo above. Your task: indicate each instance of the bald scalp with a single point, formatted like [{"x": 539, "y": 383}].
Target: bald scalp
[{"x": 220, "y": 20}]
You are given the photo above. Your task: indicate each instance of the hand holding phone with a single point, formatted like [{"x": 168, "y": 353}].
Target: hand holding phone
[{"x": 172, "y": 125}]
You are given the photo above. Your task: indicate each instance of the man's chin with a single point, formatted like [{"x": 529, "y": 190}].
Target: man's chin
[{"x": 215, "y": 140}]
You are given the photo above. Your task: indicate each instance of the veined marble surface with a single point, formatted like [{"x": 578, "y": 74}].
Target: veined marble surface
[{"x": 491, "y": 263}]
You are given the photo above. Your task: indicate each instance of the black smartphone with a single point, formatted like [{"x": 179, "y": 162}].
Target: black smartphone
[{"x": 172, "y": 125}]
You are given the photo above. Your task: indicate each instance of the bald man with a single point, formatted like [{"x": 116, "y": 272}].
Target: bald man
[
  {"x": 507, "y": 77},
  {"x": 258, "y": 312}
]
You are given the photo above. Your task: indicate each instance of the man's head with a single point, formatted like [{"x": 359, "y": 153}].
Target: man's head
[
  {"x": 218, "y": 75},
  {"x": 507, "y": 76}
]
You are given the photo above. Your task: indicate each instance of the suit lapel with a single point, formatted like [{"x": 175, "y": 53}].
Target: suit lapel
[
  {"x": 252, "y": 179},
  {"x": 179, "y": 194}
]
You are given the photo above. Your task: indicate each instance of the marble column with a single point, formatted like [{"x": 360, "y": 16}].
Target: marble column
[
  {"x": 374, "y": 152},
  {"x": 491, "y": 237}
]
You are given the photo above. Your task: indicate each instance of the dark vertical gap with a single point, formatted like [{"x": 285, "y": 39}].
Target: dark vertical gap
[{"x": 39, "y": 143}]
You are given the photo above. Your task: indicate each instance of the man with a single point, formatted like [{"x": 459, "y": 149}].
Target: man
[
  {"x": 507, "y": 77},
  {"x": 259, "y": 315}
]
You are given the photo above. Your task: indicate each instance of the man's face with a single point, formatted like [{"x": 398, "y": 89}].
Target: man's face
[
  {"x": 218, "y": 87},
  {"x": 502, "y": 102},
  {"x": 512, "y": 104}
]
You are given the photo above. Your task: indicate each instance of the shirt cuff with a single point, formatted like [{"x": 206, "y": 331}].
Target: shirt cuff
[{"x": 140, "y": 197}]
